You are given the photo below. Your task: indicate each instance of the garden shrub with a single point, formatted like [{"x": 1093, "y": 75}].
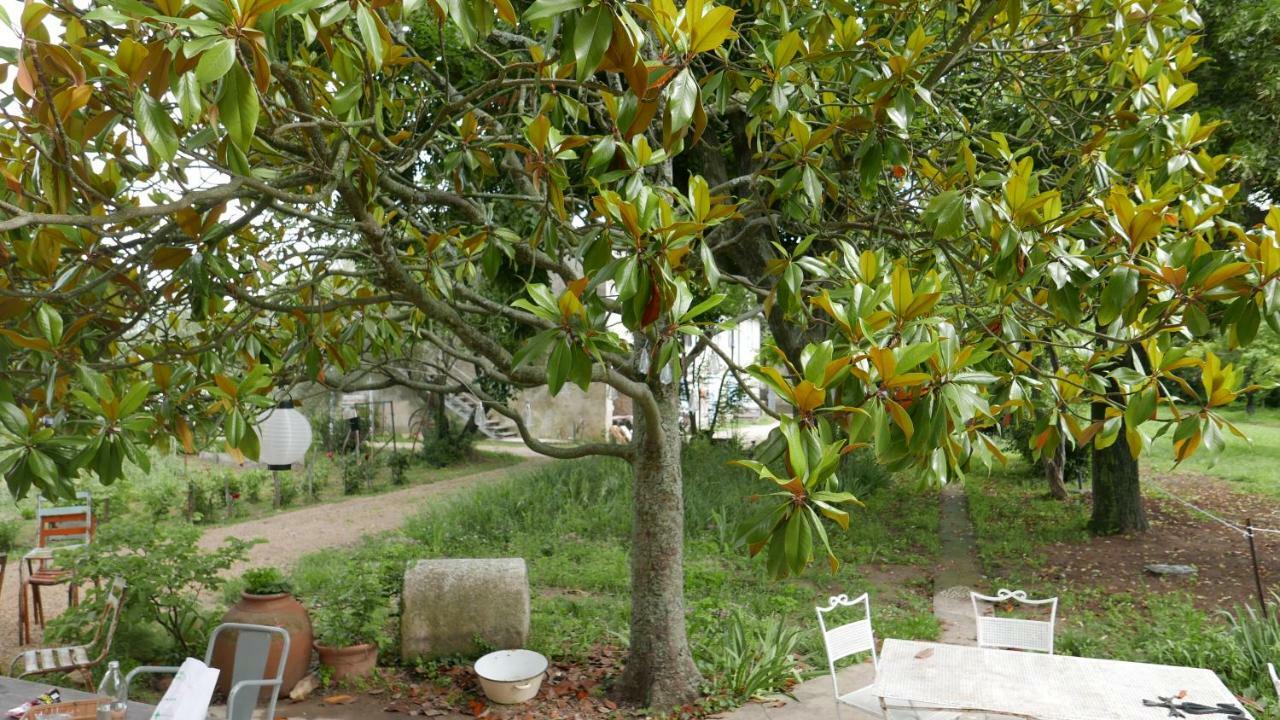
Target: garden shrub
[
  {"x": 357, "y": 473},
  {"x": 398, "y": 463},
  {"x": 160, "y": 495},
  {"x": 348, "y": 607},
  {"x": 447, "y": 449},
  {"x": 165, "y": 618},
  {"x": 9, "y": 535},
  {"x": 207, "y": 498},
  {"x": 251, "y": 483},
  {"x": 288, "y": 489}
]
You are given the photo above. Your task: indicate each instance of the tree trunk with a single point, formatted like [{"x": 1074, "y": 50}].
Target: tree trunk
[
  {"x": 1054, "y": 470},
  {"x": 659, "y": 672},
  {"x": 1117, "y": 495},
  {"x": 1250, "y": 399}
]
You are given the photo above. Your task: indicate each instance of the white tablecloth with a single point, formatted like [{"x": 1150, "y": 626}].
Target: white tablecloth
[{"x": 1046, "y": 687}]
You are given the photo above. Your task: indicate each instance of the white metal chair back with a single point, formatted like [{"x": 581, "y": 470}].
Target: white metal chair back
[
  {"x": 1275, "y": 679},
  {"x": 1014, "y": 633},
  {"x": 848, "y": 639}
]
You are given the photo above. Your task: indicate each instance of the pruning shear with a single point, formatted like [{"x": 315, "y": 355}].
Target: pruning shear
[{"x": 1182, "y": 709}]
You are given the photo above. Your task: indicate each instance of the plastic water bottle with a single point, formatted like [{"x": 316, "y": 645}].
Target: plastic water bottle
[{"x": 111, "y": 702}]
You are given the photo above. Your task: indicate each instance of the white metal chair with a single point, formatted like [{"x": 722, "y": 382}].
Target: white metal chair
[
  {"x": 1275, "y": 679},
  {"x": 854, "y": 638},
  {"x": 1014, "y": 633},
  {"x": 253, "y": 643}
]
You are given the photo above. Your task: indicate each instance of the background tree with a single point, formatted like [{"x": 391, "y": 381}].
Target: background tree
[
  {"x": 1240, "y": 84},
  {"x": 207, "y": 201}
]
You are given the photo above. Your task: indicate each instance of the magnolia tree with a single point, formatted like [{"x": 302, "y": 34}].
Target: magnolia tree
[{"x": 206, "y": 202}]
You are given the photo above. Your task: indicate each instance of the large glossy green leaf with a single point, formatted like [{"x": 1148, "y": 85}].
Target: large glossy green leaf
[
  {"x": 190, "y": 103},
  {"x": 591, "y": 38},
  {"x": 546, "y": 9},
  {"x": 682, "y": 100},
  {"x": 369, "y": 34},
  {"x": 155, "y": 125},
  {"x": 238, "y": 107},
  {"x": 216, "y": 61}
]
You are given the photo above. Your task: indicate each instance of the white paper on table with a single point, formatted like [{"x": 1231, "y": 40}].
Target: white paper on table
[{"x": 189, "y": 696}]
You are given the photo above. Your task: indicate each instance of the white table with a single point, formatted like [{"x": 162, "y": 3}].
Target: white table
[{"x": 1034, "y": 685}]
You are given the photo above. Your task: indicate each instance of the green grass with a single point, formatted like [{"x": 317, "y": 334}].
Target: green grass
[
  {"x": 1250, "y": 466},
  {"x": 1014, "y": 517},
  {"x": 1014, "y": 520},
  {"x": 571, "y": 523}
]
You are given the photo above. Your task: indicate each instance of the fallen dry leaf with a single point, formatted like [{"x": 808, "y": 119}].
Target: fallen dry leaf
[{"x": 339, "y": 699}]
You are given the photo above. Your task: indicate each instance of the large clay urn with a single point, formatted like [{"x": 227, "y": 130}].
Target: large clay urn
[{"x": 280, "y": 610}]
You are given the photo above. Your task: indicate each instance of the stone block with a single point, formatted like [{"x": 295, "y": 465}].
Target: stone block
[{"x": 463, "y": 607}]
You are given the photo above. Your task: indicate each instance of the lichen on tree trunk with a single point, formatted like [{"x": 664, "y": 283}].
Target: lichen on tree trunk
[
  {"x": 659, "y": 672},
  {"x": 1117, "y": 493}
]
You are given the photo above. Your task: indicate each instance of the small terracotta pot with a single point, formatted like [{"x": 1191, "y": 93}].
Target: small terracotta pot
[
  {"x": 351, "y": 662},
  {"x": 278, "y": 610}
]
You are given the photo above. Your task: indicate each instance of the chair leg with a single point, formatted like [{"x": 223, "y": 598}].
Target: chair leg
[
  {"x": 24, "y": 615},
  {"x": 87, "y": 673},
  {"x": 37, "y": 606}
]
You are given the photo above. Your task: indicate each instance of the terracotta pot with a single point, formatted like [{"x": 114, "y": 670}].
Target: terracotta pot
[
  {"x": 279, "y": 610},
  {"x": 349, "y": 663}
]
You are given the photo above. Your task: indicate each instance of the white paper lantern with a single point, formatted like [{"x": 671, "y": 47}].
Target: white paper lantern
[{"x": 285, "y": 435}]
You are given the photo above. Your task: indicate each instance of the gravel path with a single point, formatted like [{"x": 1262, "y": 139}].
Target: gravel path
[
  {"x": 288, "y": 536},
  {"x": 291, "y": 535}
]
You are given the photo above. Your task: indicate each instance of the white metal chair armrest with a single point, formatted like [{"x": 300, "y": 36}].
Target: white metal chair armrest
[
  {"x": 148, "y": 669},
  {"x": 231, "y": 696}
]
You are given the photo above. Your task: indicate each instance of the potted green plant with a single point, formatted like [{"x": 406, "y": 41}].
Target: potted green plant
[
  {"x": 350, "y": 618},
  {"x": 266, "y": 598}
]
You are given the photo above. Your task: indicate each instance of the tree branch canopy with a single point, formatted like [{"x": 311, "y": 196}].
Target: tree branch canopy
[{"x": 205, "y": 201}]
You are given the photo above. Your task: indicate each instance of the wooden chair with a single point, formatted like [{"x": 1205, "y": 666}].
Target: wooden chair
[
  {"x": 56, "y": 527},
  {"x": 78, "y": 658}
]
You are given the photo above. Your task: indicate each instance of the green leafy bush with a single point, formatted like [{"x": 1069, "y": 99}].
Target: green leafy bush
[
  {"x": 160, "y": 495},
  {"x": 265, "y": 581},
  {"x": 250, "y": 484},
  {"x": 398, "y": 463},
  {"x": 348, "y": 606},
  {"x": 206, "y": 496},
  {"x": 448, "y": 449},
  {"x": 9, "y": 535},
  {"x": 357, "y": 473},
  {"x": 165, "y": 618},
  {"x": 288, "y": 489}
]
